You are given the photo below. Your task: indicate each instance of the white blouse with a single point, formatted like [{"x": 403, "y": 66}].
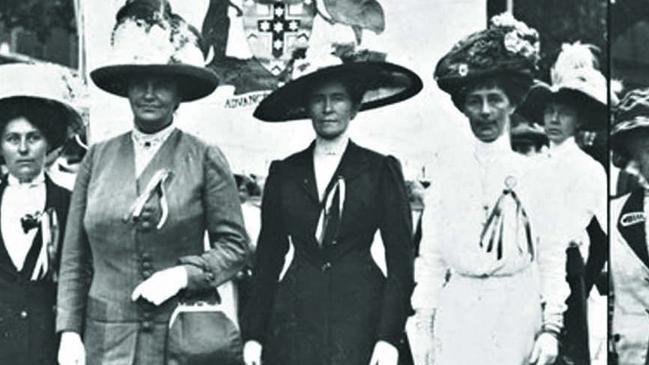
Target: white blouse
[
  {"x": 147, "y": 145},
  {"x": 457, "y": 205},
  {"x": 326, "y": 158},
  {"x": 583, "y": 183},
  {"x": 18, "y": 200}
]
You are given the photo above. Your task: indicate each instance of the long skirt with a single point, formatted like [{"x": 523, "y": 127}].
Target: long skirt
[{"x": 488, "y": 321}]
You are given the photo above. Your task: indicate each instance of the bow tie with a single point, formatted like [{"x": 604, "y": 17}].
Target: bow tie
[{"x": 30, "y": 221}]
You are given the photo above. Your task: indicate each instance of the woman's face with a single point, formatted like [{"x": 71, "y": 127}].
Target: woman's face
[
  {"x": 330, "y": 108},
  {"x": 560, "y": 121},
  {"x": 488, "y": 110},
  {"x": 154, "y": 99},
  {"x": 24, "y": 149},
  {"x": 638, "y": 148}
]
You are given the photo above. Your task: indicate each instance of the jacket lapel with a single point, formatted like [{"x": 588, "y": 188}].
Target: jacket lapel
[
  {"x": 633, "y": 230},
  {"x": 305, "y": 174}
]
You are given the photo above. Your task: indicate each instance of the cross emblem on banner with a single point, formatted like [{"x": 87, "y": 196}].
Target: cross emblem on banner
[{"x": 278, "y": 25}]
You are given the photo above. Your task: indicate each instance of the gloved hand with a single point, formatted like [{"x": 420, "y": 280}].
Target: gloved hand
[
  {"x": 546, "y": 350},
  {"x": 162, "y": 285},
  {"x": 384, "y": 354},
  {"x": 252, "y": 353},
  {"x": 423, "y": 321},
  {"x": 71, "y": 349}
]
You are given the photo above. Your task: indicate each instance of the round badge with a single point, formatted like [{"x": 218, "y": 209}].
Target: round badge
[
  {"x": 463, "y": 69},
  {"x": 510, "y": 182}
]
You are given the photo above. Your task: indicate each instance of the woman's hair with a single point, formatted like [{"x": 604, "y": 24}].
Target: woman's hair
[
  {"x": 48, "y": 117},
  {"x": 354, "y": 88},
  {"x": 514, "y": 87}
]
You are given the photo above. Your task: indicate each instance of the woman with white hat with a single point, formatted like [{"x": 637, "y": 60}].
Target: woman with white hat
[
  {"x": 575, "y": 102},
  {"x": 145, "y": 258},
  {"x": 317, "y": 295},
  {"x": 35, "y": 114}
]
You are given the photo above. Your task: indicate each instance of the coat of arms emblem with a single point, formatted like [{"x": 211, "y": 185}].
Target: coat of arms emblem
[{"x": 276, "y": 29}]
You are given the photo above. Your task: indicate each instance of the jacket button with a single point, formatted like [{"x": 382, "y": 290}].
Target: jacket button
[
  {"x": 145, "y": 256},
  {"x": 146, "y": 265},
  {"x": 147, "y": 326},
  {"x": 24, "y": 314},
  {"x": 326, "y": 266},
  {"x": 334, "y": 242},
  {"x": 147, "y": 274}
]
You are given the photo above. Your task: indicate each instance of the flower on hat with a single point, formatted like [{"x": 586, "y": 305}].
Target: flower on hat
[{"x": 506, "y": 46}]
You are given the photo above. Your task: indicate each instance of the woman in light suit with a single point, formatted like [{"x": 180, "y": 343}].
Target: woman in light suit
[{"x": 141, "y": 262}]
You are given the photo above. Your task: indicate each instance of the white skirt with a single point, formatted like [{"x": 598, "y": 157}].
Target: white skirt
[{"x": 492, "y": 320}]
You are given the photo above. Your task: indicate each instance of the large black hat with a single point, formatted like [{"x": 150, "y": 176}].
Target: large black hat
[
  {"x": 383, "y": 83},
  {"x": 149, "y": 39},
  {"x": 507, "y": 48}
]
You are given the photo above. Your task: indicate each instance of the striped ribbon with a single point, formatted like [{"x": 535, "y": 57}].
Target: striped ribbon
[
  {"x": 339, "y": 187},
  {"x": 492, "y": 233}
]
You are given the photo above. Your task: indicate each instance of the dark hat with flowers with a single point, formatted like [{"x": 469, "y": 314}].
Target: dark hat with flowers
[
  {"x": 507, "y": 48},
  {"x": 631, "y": 116}
]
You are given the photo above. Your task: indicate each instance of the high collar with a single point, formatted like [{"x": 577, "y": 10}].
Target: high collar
[
  {"x": 484, "y": 151},
  {"x": 141, "y": 138},
  {"x": 37, "y": 181},
  {"x": 334, "y": 146},
  {"x": 564, "y": 147}
]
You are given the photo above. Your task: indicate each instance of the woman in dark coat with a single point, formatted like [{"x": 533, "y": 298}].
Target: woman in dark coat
[
  {"x": 32, "y": 214},
  {"x": 328, "y": 302}
]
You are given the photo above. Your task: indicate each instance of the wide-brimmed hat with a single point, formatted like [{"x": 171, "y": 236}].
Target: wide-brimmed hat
[
  {"x": 576, "y": 82},
  {"x": 630, "y": 116},
  {"x": 507, "y": 48},
  {"x": 383, "y": 83},
  {"x": 524, "y": 132},
  {"x": 43, "y": 89},
  {"x": 149, "y": 39}
]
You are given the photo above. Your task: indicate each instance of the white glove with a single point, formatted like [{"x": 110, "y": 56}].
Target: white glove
[
  {"x": 546, "y": 350},
  {"x": 384, "y": 354},
  {"x": 71, "y": 349},
  {"x": 252, "y": 353},
  {"x": 424, "y": 350},
  {"x": 162, "y": 285}
]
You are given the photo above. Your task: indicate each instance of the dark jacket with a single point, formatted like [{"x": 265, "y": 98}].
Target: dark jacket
[
  {"x": 202, "y": 197},
  {"x": 333, "y": 304},
  {"x": 27, "y": 308}
]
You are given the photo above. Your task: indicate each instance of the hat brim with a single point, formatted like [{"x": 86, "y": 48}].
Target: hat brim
[
  {"x": 594, "y": 112},
  {"x": 55, "y": 135},
  {"x": 384, "y": 83},
  {"x": 193, "y": 82}
]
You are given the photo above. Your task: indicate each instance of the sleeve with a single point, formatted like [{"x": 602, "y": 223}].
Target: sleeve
[
  {"x": 75, "y": 272},
  {"x": 272, "y": 247},
  {"x": 553, "y": 236},
  {"x": 396, "y": 232},
  {"x": 430, "y": 266},
  {"x": 224, "y": 224},
  {"x": 599, "y": 196}
]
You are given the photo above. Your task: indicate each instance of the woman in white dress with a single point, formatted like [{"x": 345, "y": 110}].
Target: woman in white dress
[{"x": 491, "y": 271}]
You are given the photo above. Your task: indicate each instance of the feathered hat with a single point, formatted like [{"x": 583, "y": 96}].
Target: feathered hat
[
  {"x": 507, "y": 48},
  {"x": 576, "y": 81},
  {"x": 41, "y": 90},
  {"x": 149, "y": 39}
]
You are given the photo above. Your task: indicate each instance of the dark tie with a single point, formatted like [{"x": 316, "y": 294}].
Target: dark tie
[{"x": 29, "y": 221}]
